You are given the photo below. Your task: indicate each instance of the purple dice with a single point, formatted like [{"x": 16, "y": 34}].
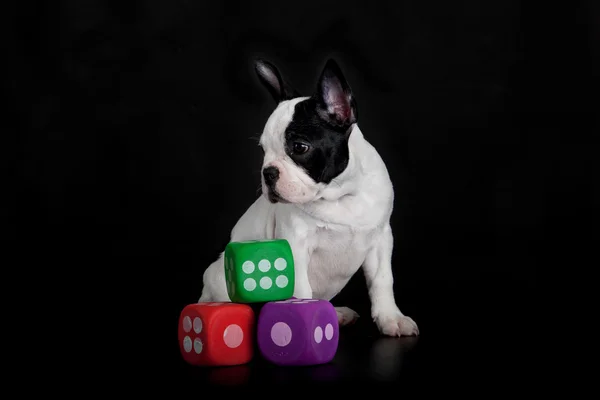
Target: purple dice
[{"x": 298, "y": 332}]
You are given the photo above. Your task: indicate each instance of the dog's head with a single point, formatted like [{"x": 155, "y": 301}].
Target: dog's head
[{"x": 305, "y": 140}]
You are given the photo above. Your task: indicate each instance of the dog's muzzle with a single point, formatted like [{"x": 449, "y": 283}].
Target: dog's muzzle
[
  {"x": 274, "y": 197},
  {"x": 271, "y": 176}
]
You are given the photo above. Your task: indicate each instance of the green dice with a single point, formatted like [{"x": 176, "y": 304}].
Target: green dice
[{"x": 259, "y": 271}]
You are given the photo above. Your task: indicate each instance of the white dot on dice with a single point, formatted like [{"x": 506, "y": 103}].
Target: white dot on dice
[
  {"x": 280, "y": 264},
  {"x": 264, "y": 265},
  {"x": 329, "y": 331},
  {"x": 197, "y": 325},
  {"x": 318, "y": 334},
  {"x": 233, "y": 336},
  {"x": 281, "y": 281},
  {"x": 187, "y": 344},
  {"x": 249, "y": 284},
  {"x": 187, "y": 324},
  {"x": 281, "y": 334},
  {"x": 198, "y": 345},
  {"x": 248, "y": 267},
  {"x": 266, "y": 282}
]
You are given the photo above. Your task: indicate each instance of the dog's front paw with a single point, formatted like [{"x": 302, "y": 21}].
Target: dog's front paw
[
  {"x": 346, "y": 316},
  {"x": 397, "y": 325}
]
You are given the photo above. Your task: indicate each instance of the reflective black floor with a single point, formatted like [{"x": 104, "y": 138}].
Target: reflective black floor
[{"x": 471, "y": 334}]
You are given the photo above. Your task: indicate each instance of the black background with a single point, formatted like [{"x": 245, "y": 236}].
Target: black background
[{"x": 135, "y": 127}]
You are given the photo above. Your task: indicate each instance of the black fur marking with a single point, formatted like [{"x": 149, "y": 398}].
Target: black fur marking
[{"x": 328, "y": 152}]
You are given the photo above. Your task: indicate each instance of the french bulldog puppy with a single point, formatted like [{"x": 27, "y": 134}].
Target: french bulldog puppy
[{"x": 327, "y": 191}]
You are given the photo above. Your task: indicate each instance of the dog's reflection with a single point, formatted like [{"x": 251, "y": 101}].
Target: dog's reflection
[
  {"x": 230, "y": 376},
  {"x": 387, "y": 355}
]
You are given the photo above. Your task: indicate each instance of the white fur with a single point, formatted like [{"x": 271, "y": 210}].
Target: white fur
[{"x": 333, "y": 229}]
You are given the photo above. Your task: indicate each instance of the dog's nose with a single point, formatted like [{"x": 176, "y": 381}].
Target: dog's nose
[{"x": 270, "y": 174}]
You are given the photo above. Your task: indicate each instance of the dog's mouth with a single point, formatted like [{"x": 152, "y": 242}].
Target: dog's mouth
[{"x": 274, "y": 197}]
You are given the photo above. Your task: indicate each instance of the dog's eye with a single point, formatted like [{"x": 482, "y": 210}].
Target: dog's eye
[{"x": 300, "y": 148}]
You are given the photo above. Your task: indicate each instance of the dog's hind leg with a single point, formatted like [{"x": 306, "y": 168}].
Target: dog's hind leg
[
  {"x": 214, "y": 286},
  {"x": 346, "y": 316}
]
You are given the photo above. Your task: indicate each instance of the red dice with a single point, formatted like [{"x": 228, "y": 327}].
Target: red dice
[{"x": 216, "y": 334}]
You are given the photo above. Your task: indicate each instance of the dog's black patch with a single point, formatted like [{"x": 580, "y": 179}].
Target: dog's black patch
[
  {"x": 327, "y": 154},
  {"x": 317, "y": 137}
]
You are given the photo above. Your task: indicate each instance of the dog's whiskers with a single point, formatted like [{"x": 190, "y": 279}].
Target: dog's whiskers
[{"x": 256, "y": 137}]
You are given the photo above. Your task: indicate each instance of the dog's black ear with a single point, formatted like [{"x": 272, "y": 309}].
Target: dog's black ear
[
  {"x": 270, "y": 77},
  {"x": 336, "y": 103}
]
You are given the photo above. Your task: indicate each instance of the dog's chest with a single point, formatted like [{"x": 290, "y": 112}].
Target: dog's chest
[{"x": 338, "y": 252}]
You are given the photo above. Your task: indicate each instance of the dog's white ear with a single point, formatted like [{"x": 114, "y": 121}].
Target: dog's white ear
[
  {"x": 270, "y": 77},
  {"x": 336, "y": 103}
]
